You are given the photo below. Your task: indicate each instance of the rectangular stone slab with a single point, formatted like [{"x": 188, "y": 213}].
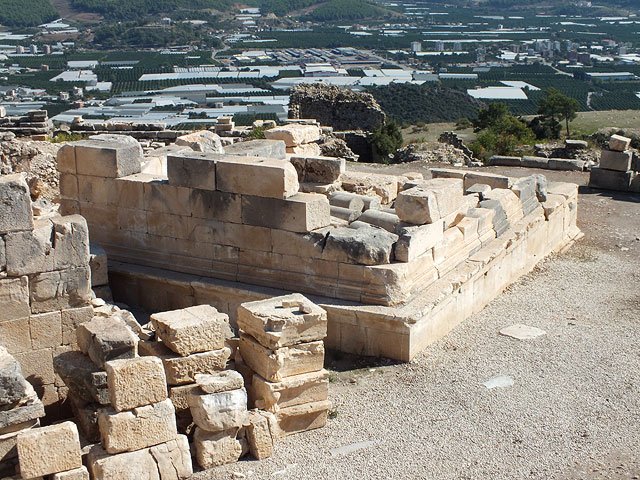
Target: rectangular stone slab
[
  {"x": 291, "y": 391},
  {"x": 135, "y": 382},
  {"x": 302, "y": 418},
  {"x": 82, "y": 377},
  {"x": 262, "y": 177},
  {"x": 282, "y": 321},
  {"x": 47, "y": 450},
  {"x": 619, "y": 161},
  {"x": 16, "y": 213},
  {"x": 300, "y": 213},
  {"x": 216, "y": 412},
  {"x": 193, "y": 170}
]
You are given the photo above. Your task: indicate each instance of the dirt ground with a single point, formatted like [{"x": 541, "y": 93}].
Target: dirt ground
[{"x": 573, "y": 411}]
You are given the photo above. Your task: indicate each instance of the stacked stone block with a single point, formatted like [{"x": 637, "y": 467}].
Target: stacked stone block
[
  {"x": 20, "y": 410},
  {"x": 299, "y": 139},
  {"x": 282, "y": 352},
  {"x": 225, "y": 126},
  {"x": 45, "y": 284},
  {"x": 617, "y": 169}
]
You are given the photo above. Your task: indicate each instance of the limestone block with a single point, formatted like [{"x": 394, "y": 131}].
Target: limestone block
[
  {"x": 364, "y": 246},
  {"x": 192, "y": 170},
  {"x": 68, "y": 184},
  {"x": 258, "y": 148},
  {"x": 294, "y": 134},
  {"x": 192, "y": 330},
  {"x": 259, "y": 435},
  {"x": 47, "y": 450},
  {"x": 60, "y": 289},
  {"x": 86, "y": 417},
  {"x": 291, "y": 391},
  {"x": 215, "y": 449},
  {"x": 135, "y": 382},
  {"x": 201, "y": 141},
  {"x": 9, "y": 440},
  {"x": 432, "y": 201},
  {"x": 318, "y": 169},
  {"x": 71, "y": 318},
  {"x": 70, "y": 241},
  {"x": 505, "y": 161},
  {"x": 15, "y": 335},
  {"x": 182, "y": 370},
  {"x": 66, "y": 159},
  {"x": 348, "y": 200},
  {"x": 124, "y": 466},
  {"x": 385, "y": 187},
  {"x": 444, "y": 173},
  {"x": 160, "y": 197},
  {"x": 614, "y": 160},
  {"x": 221, "y": 206},
  {"x": 16, "y": 213},
  {"x": 110, "y": 156},
  {"x": 618, "y": 143},
  {"x": 306, "y": 150},
  {"x": 30, "y": 410},
  {"x": 610, "y": 179},
  {"x": 485, "y": 218},
  {"x": 509, "y": 201},
  {"x": 46, "y": 330},
  {"x": 493, "y": 180},
  {"x": 343, "y": 215},
  {"x": 76, "y": 474},
  {"x": 98, "y": 265},
  {"x": 499, "y": 219},
  {"x": 105, "y": 339},
  {"x": 307, "y": 245},
  {"x": 283, "y": 321},
  {"x": 451, "y": 243},
  {"x": 385, "y": 220},
  {"x": 415, "y": 241},
  {"x": 14, "y": 298},
  {"x": 274, "y": 365},
  {"x": 31, "y": 251},
  {"x": 479, "y": 188},
  {"x": 138, "y": 428},
  {"x": 301, "y": 418},
  {"x": 554, "y": 202},
  {"x": 270, "y": 178},
  {"x": 84, "y": 380},
  {"x": 215, "y": 412},
  {"x": 566, "y": 164},
  {"x": 302, "y": 212},
  {"x": 179, "y": 396},
  {"x": 173, "y": 459},
  {"x": 220, "y": 381},
  {"x": 14, "y": 389}
]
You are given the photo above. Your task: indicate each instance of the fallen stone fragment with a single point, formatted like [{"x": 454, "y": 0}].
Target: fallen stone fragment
[
  {"x": 47, "y": 450},
  {"x": 259, "y": 435},
  {"x": 13, "y": 386},
  {"x": 353, "y": 447},
  {"x": 522, "y": 332},
  {"x": 499, "y": 381},
  {"x": 214, "y": 449},
  {"x": 105, "y": 339},
  {"x": 220, "y": 381},
  {"x": 215, "y": 412}
]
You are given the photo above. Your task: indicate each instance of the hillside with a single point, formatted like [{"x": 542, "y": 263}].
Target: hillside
[{"x": 14, "y": 13}]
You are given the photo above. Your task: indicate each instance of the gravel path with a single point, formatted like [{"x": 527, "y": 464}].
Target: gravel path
[{"x": 573, "y": 410}]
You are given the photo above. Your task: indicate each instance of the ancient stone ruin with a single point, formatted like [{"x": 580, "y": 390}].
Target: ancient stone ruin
[{"x": 619, "y": 167}]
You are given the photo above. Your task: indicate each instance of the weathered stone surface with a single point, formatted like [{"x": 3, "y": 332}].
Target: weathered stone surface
[
  {"x": 415, "y": 241},
  {"x": 505, "y": 161},
  {"x": 340, "y": 215},
  {"x": 86, "y": 417},
  {"x": 491, "y": 179},
  {"x": 135, "y": 382},
  {"x": 386, "y": 220},
  {"x": 301, "y": 418},
  {"x": 98, "y": 265},
  {"x": 201, "y": 141},
  {"x": 318, "y": 169},
  {"x": 347, "y": 200},
  {"x": 80, "y": 473},
  {"x": 105, "y": 339},
  {"x": 215, "y": 412},
  {"x": 433, "y": 200},
  {"x": 182, "y": 370},
  {"x": 258, "y": 148},
  {"x": 60, "y": 289},
  {"x": 283, "y": 321},
  {"x": 124, "y": 466},
  {"x": 566, "y": 164},
  {"x": 192, "y": 330},
  {"x": 291, "y": 391},
  {"x": 218, "y": 382},
  {"x": 84, "y": 380},
  {"x": 274, "y": 365},
  {"x": 173, "y": 459},
  {"x": 138, "y": 428},
  {"x": 294, "y": 134},
  {"x": 306, "y": 150},
  {"x": 618, "y": 143},
  {"x": 192, "y": 170},
  {"x": 535, "y": 162},
  {"x": 612, "y": 160},
  {"x": 14, "y": 389},
  {"x": 14, "y": 298},
  {"x": 47, "y": 450},
  {"x": 364, "y": 246},
  {"x": 259, "y": 435},
  {"x": 610, "y": 179},
  {"x": 300, "y": 213},
  {"x": 576, "y": 144},
  {"x": 29, "y": 410},
  {"x": 16, "y": 213},
  {"x": 270, "y": 178},
  {"x": 214, "y": 449},
  {"x": 107, "y": 155}
]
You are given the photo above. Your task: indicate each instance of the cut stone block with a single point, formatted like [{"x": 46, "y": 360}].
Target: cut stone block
[
  {"x": 270, "y": 178},
  {"x": 105, "y": 339},
  {"x": 274, "y": 365},
  {"x": 192, "y": 330},
  {"x": 610, "y": 179},
  {"x": 220, "y": 382},
  {"x": 192, "y": 170},
  {"x": 535, "y": 162},
  {"x": 505, "y": 161},
  {"x": 364, "y": 246},
  {"x": 124, "y": 466},
  {"x": 618, "y": 143},
  {"x": 76, "y": 474},
  {"x": 291, "y": 391},
  {"x": 14, "y": 389},
  {"x": 47, "y": 450},
  {"x": 302, "y": 418},
  {"x": 86, "y": 417},
  {"x": 566, "y": 164},
  {"x": 300, "y": 213},
  {"x": 215, "y": 449},
  {"x": 201, "y": 141},
  {"x": 16, "y": 213},
  {"x": 259, "y": 436},
  {"x": 294, "y": 134},
  {"x": 283, "y": 321},
  {"x": 173, "y": 459},
  {"x": 14, "y": 298},
  {"x": 576, "y": 144},
  {"x": 493, "y": 180},
  {"x": 29, "y": 410},
  {"x": 135, "y": 382},
  {"x": 619, "y": 161},
  {"x": 258, "y": 148},
  {"x": 84, "y": 380},
  {"x": 215, "y": 412},
  {"x": 415, "y": 241},
  {"x": 182, "y": 370},
  {"x": 306, "y": 150},
  {"x": 138, "y": 428},
  {"x": 107, "y": 155},
  {"x": 431, "y": 201},
  {"x": 319, "y": 169},
  {"x": 98, "y": 265},
  {"x": 60, "y": 289}
]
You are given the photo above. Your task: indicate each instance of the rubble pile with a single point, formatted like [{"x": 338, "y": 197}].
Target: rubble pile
[
  {"x": 619, "y": 167},
  {"x": 35, "y": 122}
]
